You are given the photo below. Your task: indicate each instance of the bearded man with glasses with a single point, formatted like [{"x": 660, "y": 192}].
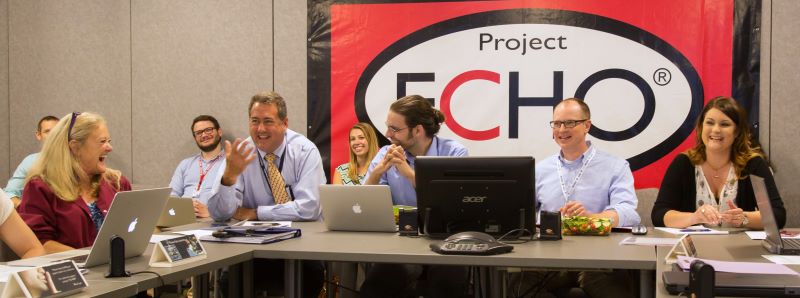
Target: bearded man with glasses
[
  {"x": 412, "y": 125},
  {"x": 194, "y": 175}
]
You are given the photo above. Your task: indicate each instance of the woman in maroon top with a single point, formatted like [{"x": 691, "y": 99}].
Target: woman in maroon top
[{"x": 69, "y": 188}]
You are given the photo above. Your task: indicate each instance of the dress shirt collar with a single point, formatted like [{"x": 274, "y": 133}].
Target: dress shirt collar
[
  {"x": 278, "y": 151},
  {"x": 577, "y": 160}
]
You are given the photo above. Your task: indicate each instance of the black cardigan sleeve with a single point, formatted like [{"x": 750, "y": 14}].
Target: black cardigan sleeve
[
  {"x": 746, "y": 198},
  {"x": 677, "y": 190}
]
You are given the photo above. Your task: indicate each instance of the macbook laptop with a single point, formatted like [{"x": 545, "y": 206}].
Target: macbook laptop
[
  {"x": 773, "y": 243},
  {"x": 178, "y": 212},
  {"x": 132, "y": 216},
  {"x": 365, "y": 208}
]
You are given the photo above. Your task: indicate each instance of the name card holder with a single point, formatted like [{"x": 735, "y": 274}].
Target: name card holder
[
  {"x": 684, "y": 247},
  {"x": 177, "y": 251},
  {"x": 55, "y": 280}
]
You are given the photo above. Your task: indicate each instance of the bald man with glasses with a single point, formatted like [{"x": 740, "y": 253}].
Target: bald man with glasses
[{"x": 581, "y": 180}]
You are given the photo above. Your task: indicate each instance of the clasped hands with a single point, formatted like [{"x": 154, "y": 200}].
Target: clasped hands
[
  {"x": 395, "y": 157},
  {"x": 708, "y": 214}
]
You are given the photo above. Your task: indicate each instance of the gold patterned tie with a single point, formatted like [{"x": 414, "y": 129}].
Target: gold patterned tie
[{"x": 276, "y": 181}]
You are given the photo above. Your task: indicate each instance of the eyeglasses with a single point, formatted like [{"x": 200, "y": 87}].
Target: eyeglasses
[
  {"x": 566, "y": 123},
  {"x": 71, "y": 124},
  {"x": 201, "y": 132},
  {"x": 395, "y": 129}
]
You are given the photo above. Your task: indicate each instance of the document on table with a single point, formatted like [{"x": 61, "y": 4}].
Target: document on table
[
  {"x": 197, "y": 233},
  {"x": 264, "y": 224},
  {"x": 783, "y": 260},
  {"x": 158, "y": 237},
  {"x": 761, "y": 235},
  {"x": 649, "y": 241},
  {"x": 6, "y": 271},
  {"x": 693, "y": 230},
  {"x": 738, "y": 267}
]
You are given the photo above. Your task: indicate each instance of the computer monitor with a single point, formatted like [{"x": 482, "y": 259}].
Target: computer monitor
[{"x": 493, "y": 195}]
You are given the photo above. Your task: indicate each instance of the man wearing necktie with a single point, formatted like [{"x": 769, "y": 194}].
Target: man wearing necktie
[{"x": 272, "y": 175}]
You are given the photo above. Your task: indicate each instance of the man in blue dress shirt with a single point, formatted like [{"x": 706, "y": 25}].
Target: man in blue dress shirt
[
  {"x": 272, "y": 175},
  {"x": 583, "y": 181},
  {"x": 17, "y": 182},
  {"x": 194, "y": 176},
  {"x": 412, "y": 124}
]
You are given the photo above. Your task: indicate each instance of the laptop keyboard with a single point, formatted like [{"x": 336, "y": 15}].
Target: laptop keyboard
[
  {"x": 78, "y": 259},
  {"x": 791, "y": 243}
]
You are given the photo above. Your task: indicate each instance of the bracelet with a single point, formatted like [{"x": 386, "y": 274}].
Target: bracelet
[{"x": 745, "y": 220}]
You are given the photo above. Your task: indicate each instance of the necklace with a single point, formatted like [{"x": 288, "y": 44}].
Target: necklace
[{"x": 716, "y": 170}]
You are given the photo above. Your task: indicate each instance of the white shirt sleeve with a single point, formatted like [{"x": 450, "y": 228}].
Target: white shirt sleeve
[{"x": 6, "y": 206}]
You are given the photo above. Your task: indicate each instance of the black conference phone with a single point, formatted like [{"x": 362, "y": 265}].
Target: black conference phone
[{"x": 471, "y": 243}]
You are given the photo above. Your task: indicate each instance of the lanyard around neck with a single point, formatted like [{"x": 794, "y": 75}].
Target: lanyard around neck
[
  {"x": 203, "y": 172},
  {"x": 569, "y": 192}
]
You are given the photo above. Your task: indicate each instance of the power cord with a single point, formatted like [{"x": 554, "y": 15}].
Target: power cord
[
  {"x": 520, "y": 240},
  {"x": 338, "y": 285},
  {"x": 160, "y": 278}
]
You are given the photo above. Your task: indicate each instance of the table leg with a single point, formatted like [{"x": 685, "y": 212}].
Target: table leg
[
  {"x": 200, "y": 286},
  {"x": 293, "y": 273},
  {"x": 646, "y": 282}
]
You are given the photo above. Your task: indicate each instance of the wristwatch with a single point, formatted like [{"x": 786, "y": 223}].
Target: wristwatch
[{"x": 745, "y": 220}]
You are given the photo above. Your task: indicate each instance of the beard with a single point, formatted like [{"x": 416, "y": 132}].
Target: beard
[{"x": 211, "y": 146}]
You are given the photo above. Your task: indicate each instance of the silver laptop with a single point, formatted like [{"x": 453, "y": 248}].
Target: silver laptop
[
  {"x": 178, "y": 212},
  {"x": 773, "y": 243},
  {"x": 364, "y": 208},
  {"x": 132, "y": 216}
]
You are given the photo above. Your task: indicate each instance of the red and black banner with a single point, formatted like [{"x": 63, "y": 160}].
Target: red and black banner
[{"x": 497, "y": 68}]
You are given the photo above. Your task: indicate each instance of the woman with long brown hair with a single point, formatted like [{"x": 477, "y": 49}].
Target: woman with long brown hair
[{"x": 710, "y": 183}]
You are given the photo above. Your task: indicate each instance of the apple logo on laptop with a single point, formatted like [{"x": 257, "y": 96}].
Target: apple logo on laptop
[
  {"x": 357, "y": 208},
  {"x": 132, "y": 226},
  {"x": 172, "y": 211}
]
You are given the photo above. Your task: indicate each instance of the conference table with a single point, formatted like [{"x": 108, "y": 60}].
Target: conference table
[
  {"x": 733, "y": 247},
  {"x": 316, "y": 243}
]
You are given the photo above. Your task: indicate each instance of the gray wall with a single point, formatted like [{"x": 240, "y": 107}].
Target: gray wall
[
  {"x": 782, "y": 85},
  {"x": 167, "y": 60},
  {"x": 171, "y": 60}
]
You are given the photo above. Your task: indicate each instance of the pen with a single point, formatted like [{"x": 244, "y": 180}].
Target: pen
[{"x": 695, "y": 230}]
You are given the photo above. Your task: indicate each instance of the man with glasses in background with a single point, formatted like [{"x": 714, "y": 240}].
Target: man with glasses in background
[
  {"x": 194, "y": 176},
  {"x": 583, "y": 181},
  {"x": 412, "y": 125},
  {"x": 17, "y": 182},
  {"x": 273, "y": 175}
]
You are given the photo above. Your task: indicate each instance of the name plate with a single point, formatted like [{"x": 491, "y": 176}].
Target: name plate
[
  {"x": 177, "y": 251},
  {"x": 53, "y": 280},
  {"x": 684, "y": 247}
]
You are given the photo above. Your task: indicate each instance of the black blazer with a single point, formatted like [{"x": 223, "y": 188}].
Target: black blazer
[{"x": 677, "y": 191}]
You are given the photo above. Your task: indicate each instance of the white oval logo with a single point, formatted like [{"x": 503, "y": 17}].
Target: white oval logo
[{"x": 497, "y": 84}]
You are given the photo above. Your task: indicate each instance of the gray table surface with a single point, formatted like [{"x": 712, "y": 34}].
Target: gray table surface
[{"x": 735, "y": 247}]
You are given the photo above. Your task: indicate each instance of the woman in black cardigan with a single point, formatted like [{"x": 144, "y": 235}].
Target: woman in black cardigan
[{"x": 710, "y": 183}]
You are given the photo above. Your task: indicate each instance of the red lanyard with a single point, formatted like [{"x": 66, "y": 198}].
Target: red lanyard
[{"x": 204, "y": 172}]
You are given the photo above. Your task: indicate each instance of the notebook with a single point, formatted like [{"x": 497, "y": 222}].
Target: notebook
[
  {"x": 773, "y": 243},
  {"x": 179, "y": 211},
  {"x": 132, "y": 216},
  {"x": 366, "y": 208}
]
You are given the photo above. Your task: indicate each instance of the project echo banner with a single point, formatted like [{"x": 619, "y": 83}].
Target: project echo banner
[{"x": 497, "y": 68}]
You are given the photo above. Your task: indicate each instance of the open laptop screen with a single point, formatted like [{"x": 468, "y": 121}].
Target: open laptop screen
[{"x": 765, "y": 207}]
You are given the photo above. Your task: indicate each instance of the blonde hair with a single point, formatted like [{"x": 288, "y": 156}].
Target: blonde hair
[
  {"x": 372, "y": 148},
  {"x": 59, "y": 168},
  {"x": 742, "y": 149}
]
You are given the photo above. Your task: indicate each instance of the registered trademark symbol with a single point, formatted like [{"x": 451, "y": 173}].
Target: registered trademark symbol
[{"x": 662, "y": 76}]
